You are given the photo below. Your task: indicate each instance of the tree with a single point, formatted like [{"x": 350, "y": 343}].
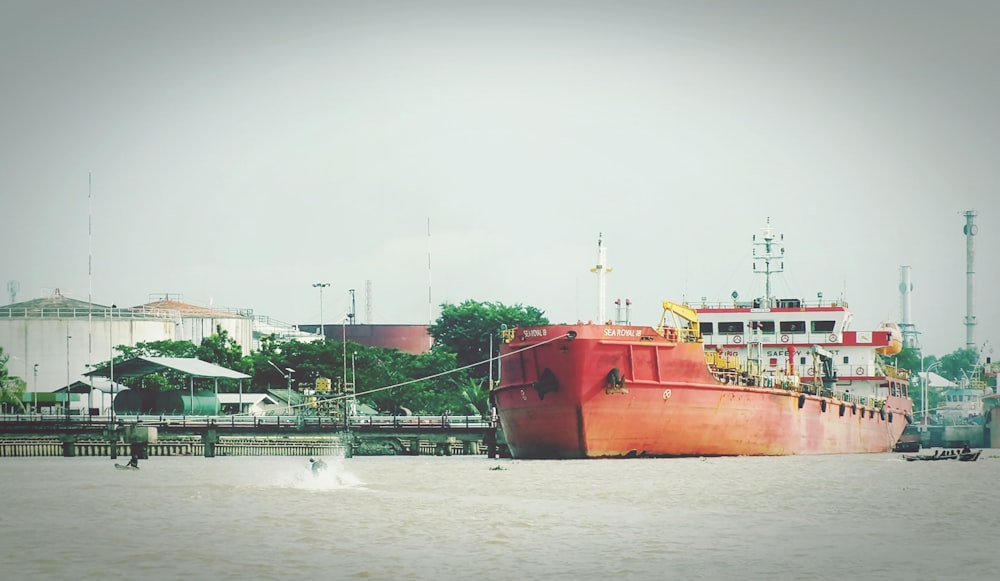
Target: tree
[
  {"x": 958, "y": 364},
  {"x": 11, "y": 388},
  {"x": 164, "y": 348},
  {"x": 224, "y": 351},
  {"x": 955, "y": 366},
  {"x": 466, "y": 330},
  {"x": 427, "y": 383}
]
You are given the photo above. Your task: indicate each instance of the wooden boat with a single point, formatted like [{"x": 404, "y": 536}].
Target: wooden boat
[
  {"x": 969, "y": 456},
  {"x": 945, "y": 455},
  {"x": 125, "y": 467},
  {"x": 914, "y": 457}
]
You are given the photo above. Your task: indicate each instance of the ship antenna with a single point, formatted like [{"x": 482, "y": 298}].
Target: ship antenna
[
  {"x": 601, "y": 269},
  {"x": 772, "y": 252}
]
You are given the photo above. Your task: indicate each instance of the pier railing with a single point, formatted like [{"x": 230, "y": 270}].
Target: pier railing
[{"x": 323, "y": 423}]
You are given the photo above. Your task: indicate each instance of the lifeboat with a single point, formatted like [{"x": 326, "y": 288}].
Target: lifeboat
[{"x": 895, "y": 344}]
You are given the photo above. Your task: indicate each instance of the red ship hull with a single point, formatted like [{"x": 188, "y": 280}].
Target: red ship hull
[{"x": 597, "y": 391}]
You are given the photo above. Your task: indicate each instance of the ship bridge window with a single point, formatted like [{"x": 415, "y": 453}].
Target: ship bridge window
[
  {"x": 706, "y": 328},
  {"x": 730, "y": 328},
  {"x": 823, "y": 326},
  {"x": 766, "y": 327},
  {"x": 792, "y": 326},
  {"x": 789, "y": 303}
]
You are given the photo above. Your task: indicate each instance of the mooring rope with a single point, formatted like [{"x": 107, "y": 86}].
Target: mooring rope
[{"x": 436, "y": 375}]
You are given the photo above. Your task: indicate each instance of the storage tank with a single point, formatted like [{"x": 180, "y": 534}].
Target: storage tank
[
  {"x": 52, "y": 337},
  {"x": 176, "y": 402},
  {"x": 135, "y": 401},
  {"x": 195, "y": 323},
  {"x": 128, "y": 402}
]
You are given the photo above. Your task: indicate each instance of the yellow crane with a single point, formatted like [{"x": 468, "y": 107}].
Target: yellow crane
[{"x": 689, "y": 334}]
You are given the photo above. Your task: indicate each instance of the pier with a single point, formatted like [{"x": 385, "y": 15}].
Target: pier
[{"x": 149, "y": 436}]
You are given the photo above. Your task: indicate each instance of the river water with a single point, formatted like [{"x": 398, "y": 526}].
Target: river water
[{"x": 871, "y": 516}]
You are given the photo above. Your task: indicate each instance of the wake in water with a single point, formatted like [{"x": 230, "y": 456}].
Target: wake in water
[{"x": 328, "y": 473}]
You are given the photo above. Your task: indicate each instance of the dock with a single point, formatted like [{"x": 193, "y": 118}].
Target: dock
[{"x": 37, "y": 435}]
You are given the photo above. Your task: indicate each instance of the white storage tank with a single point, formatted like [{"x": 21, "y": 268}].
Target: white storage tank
[
  {"x": 196, "y": 323},
  {"x": 54, "y": 339}
]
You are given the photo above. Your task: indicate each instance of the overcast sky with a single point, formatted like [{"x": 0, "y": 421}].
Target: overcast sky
[{"x": 242, "y": 151}]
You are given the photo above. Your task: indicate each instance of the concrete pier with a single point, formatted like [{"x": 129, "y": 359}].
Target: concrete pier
[{"x": 204, "y": 437}]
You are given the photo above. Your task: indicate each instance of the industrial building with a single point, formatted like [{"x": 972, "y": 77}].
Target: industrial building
[{"x": 53, "y": 341}]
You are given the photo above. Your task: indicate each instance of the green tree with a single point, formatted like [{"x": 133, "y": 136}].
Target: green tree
[
  {"x": 958, "y": 364},
  {"x": 222, "y": 350},
  {"x": 466, "y": 330},
  {"x": 390, "y": 380},
  {"x": 11, "y": 388},
  {"x": 164, "y": 348}
]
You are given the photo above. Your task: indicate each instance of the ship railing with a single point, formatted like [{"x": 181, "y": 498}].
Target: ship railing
[
  {"x": 688, "y": 335},
  {"x": 862, "y": 400},
  {"x": 683, "y": 335},
  {"x": 739, "y": 375},
  {"x": 721, "y": 361},
  {"x": 729, "y": 304},
  {"x": 897, "y": 372}
]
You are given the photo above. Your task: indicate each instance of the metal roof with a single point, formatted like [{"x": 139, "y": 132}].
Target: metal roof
[{"x": 142, "y": 366}]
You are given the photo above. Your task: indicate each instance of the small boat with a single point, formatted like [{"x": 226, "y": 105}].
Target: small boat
[
  {"x": 969, "y": 456},
  {"x": 125, "y": 467},
  {"x": 914, "y": 457},
  {"x": 945, "y": 455}
]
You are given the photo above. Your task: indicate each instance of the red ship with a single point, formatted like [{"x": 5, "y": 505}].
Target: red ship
[{"x": 620, "y": 390}]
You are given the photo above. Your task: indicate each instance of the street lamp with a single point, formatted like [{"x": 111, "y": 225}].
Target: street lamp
[
  {"x": 287, "y": 374},
  {"x": 34, "y": 393},
  {"x": 923, "y": 388},
  {"x": 68, "y": 337},
  {"x": 321, "y": 286}
]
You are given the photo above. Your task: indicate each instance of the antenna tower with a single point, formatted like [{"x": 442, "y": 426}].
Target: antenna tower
[{"x": 772, "y": 251}]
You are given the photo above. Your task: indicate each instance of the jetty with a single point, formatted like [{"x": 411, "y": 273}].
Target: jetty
[{"x": 37, "y": 435}]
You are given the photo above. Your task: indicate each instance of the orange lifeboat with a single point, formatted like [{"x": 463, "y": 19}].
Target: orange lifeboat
[{"x": 895, "y": 344}]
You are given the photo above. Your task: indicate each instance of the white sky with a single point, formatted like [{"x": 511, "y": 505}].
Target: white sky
[{"x": 241, "y": 151}]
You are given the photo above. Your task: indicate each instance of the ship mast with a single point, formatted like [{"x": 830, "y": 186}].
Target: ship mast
[
  {"x": 772, "y": 251},
  {"x": 601, "y": 269}
]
